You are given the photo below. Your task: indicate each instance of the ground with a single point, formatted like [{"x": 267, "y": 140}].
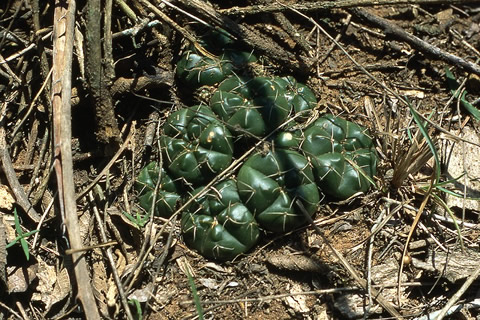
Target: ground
[{"x": 371, "y": 74}]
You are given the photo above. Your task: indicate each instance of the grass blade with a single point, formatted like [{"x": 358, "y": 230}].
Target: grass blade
[
  {"x": 454, "y": 86},
  {"x": 429, "y": 141},
  {"x": 21, "y": 236},
  {"x": 196, "y": 299}
]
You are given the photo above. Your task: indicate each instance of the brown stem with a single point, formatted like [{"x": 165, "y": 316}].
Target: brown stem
[
  {"x": 107, "y": 131},
  {"x": 9, "y": 172}
]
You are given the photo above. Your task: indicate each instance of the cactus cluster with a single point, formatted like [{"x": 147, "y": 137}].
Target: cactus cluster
[{"x": 294, "y": 169}]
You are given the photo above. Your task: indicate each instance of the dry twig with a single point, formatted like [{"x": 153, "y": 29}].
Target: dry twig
[
  {"x": 351, "y": 270},
  {"x": 329, "y": 5},
  {"x": 64, "y": 23},
  {"x": 419, "y": 44},
  {"x": 254, "y": 39},
  {"x": 111, "y": 261},
  {"x": 9, "y": 172}
]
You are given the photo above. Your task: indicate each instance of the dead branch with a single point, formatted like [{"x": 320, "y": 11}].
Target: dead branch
[
  {"x": 258, "y": 41},
  {"x": 124, "y": 85},
  {"x": 17, "y": 189},
  {"x": 107, "y": 131},
  {"x": 417, "y": 43},
  {"x": 64, "y": 23},
  {"x": 328, "y": 5}
]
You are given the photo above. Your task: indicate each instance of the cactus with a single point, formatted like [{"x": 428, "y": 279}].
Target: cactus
[
  {"x": 301, "y": 98},
  {"x": 196, "y": 145},
  {"x": 343, "y": 156},
  {"x": 260, "y": 105},
  {"x": 196, "y": 70},
  {"x": 168, "y": 195},
  {"x": 218, "y": 225},
  {"x": 296, "y": 165},
  {"x": 269, "y": 185},
  {"x": 242, "y": 117}
]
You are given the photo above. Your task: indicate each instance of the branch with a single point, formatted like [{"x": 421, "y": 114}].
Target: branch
[
  {"x": 254, "y": 39},
  {"x": 328, "y": 5},
  {"x": 417, "y": 43},
  {"x": 7, "y": 166},
  {"x": 64, "y": 23},
  {"x": 107, "y": 131}
]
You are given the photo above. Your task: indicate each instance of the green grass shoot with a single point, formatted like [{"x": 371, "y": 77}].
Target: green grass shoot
[
  {"x": 429, "y": 141},
  {"x": 21, "y": 236},
  {"x": 196, "y": 299},
  {"x": 139, "y": 220},
  {"x": 138, "y": 308},
  {"x": 454, "y": 86}
]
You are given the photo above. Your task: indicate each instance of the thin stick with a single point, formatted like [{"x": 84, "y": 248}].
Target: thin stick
[
  {"x": 351, "y": 270},
  {"x": 116, "y": 278},
  {"x": 329, "y": 5},
  {"x": 7, "y": 166},
  {"x": 391, "y": 28},
  {"x": 284, "y": 295},
  {"x": 458, "y": 294},
  {"x": 10, "y": 310},
  {"x": 109, "y": 165}
]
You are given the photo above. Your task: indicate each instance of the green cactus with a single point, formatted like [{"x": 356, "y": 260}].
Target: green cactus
[
  {"x": 301, "y": 98},
  {"x": 241, "y": 116},
  {"x": 342, "y": 154},
  {"x": 218, "y": 225},
  {"x": 196, "y": 70},
  {"x": 260, "y": 105},
  {"x": 196, "y": 144},
  {"x": 295, "y": 166},
  {"x": 288, "y": 139},
  {"x": 168, "y": 195},
  {"x": 269, "y": 185},
  {"x": 221, "y": 43}
]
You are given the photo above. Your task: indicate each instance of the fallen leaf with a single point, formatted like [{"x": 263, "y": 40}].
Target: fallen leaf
[
  {"x": 297, "y": 302},
  {"x": 19, "y": 278},
  {"x": 6, "y": 198},
  {"x": 52, "y": 287},
  {"x": 142, "y": 294}
]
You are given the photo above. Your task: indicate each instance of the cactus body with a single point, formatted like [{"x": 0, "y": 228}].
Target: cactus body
[
  {"x": 270, "y": 184},
  {"x": 260, "y": 105},
  {"x": 167, "y": 198},
  {"x": 196, "y": 70},
  {"x": 218, "y": 225},
  {"x": 273, "y": 186},
  {"x": 342, "y": 154},
  {"x": 196, "y": 145}
]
